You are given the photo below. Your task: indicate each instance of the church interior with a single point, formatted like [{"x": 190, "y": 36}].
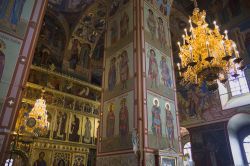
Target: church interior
[{"x": 125, "y": 82}]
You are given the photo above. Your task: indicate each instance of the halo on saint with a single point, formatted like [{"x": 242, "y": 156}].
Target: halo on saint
[
  {"x": 156, "y": 99},
  {"x": 167, "y": 104}
]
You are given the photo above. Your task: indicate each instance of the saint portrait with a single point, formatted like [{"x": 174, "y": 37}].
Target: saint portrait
[
  {"x": 169, "y": 125},
  {"x": 161, "y": 33},
  {"x": 153, "y": 68},
  {"x": 110, "y": 121},
  {"x": 165, "y": 73},
  {"x": 123, "y": 120},
  {"x": 40, "y": 161},
  {"x": 114, "y": 32},
  {"x": 60, "y": 127},
  {"x": 156, "y": 120},
  {"x": 74, "y": 128},
  {"x": 112, "y": 74},
  {"x": 87, "y": 132},
  {"x": 124, "y": 69},
  {"x": 124, "y": 25},
  {"x": 151, "y": 22}
]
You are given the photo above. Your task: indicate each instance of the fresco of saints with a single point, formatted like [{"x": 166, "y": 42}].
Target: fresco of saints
[
  {"x": 151, "y": 23},
  {"x": 114, "y": 6},
  {"x": 156, "y": 120},
  {"x": 74, "y": 129},
  {"x": 2, "y": 58},
  {"x": 124, "y": 25},
  {"x": 74, "y": 54},
  {"x": 110, "y": 121},
  {"x": 112, "y": 74},
  {"x": 193, "y": 102},
  {"x": 247, "y": 43},
  {"x": 124, "y": 69},
  {"x": 3, "y": 8},
  {"x": 153, "y": 69},
  {"x": 113, "y": 32},
  {"x": 123, "y": 119},
  {"x": 87, "y": 132},
  {"x": 16, "y": 13},
  {"x": 161, "y": 33},
  {"x": 165, "y": 72},
  {"x": 169, "y": 125}
]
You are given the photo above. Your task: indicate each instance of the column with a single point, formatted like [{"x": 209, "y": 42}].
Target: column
[
  {"x": 20, "y": 22},
  {"x": 139, "y": 92}
]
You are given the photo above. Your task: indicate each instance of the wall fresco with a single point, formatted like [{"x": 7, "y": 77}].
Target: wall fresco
[
  {"x": 162, "y": 123},
  {"x": 15, "y": 16},
  {"x": 210, "y": 145},
  {"x": 9, "y": 52},
  {"x": 156, "y": 29},
  {"x": 119, "y": 72},
  {"x": 159, "y": 72},
  {"x": 120, "y": 27},
  {"x": 118, "y": 122}
]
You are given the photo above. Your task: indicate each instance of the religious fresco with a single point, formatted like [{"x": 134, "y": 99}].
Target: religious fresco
[
  {"x": 210, "y": 145},
  {"x": 159, "y": 71},
  {"x": 162, "y": 123},
  {"x": 163, "y": 6},
  {"x": 156, "y": 29},
  {"x": 120, "y": 27},
  {"x": 119, "y": 72},
  {"x": 118, "y": 123},
  {"x": 115, "y": 5},
  {"x": 15, "y": 16},
  {"x": 51, "y": 45},
  {"x": 9, "y": 52}
]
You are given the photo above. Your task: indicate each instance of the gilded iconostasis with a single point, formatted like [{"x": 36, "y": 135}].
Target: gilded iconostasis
[{"x": 67, "y": 63}]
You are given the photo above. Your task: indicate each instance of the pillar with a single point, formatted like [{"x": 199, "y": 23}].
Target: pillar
[
  {"x": 139, "y": 91},
  {"x": 20, "y": 22}
]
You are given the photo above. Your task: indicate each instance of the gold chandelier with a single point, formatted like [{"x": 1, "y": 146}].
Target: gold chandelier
[
  {"x": 206, "y": 55},
  {"x": 36, "y": 121}
]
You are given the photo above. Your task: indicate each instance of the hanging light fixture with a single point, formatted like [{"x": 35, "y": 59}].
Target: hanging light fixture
[
  {"x": 37, "y": 118},
  {"x": 206, "y": 54}
]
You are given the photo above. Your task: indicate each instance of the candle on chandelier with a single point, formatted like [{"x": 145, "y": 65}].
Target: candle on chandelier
[
  {"x": 196, "y": 78},
  {"x": 179, "y": 44},
  {"x": 179, "y": 66},
  {"x": 183, "y": 36},
  {"x": 215, "y": 25},
  {"x": 226, "y": 32},
  {"x": 186, "y": 31},
  {"x": 222, "y": 42}
]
